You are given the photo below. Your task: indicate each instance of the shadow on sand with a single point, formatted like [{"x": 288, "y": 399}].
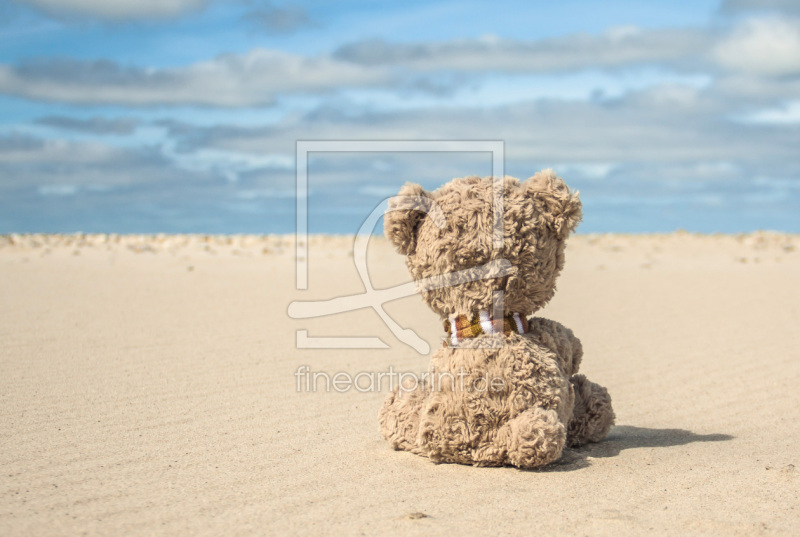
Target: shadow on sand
[{"x": 628, "y": 437}]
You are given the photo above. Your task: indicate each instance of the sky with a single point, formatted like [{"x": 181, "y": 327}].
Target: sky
[{"x": 148, "y": 116}]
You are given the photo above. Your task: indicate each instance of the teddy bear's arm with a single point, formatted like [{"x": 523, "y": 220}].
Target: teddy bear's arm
[{"x": 559, "y": 339}]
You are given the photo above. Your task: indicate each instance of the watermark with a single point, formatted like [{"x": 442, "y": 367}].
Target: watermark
[
  {"x": 308, "y": 381},
  {"x": 376, "y": 298}
]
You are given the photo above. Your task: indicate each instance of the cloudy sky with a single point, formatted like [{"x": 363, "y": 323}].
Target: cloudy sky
[{"x": 183, "y": 115}]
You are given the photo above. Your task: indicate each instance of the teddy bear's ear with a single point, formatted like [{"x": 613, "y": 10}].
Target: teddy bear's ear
[
  {"x": 557, "y": 207},
  {"x": 405, "y": 213}
]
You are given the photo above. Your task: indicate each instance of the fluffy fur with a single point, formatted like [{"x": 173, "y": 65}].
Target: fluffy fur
[{"x": 518, "y": 404}]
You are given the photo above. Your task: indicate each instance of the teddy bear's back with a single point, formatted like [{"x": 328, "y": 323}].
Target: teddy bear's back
[{"x": 480, "y": 388}]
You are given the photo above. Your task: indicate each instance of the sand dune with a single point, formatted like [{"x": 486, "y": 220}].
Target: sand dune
[{"x": 148, "y": 387}]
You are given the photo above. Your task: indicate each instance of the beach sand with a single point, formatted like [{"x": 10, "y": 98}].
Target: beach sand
[{"x": 148, "y": 387}]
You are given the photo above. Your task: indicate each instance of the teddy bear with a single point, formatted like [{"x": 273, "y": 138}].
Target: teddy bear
[{"x": 504, "y": 389}]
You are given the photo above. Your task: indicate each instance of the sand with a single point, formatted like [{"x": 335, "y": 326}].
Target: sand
[{"x": 148, "y": 387}]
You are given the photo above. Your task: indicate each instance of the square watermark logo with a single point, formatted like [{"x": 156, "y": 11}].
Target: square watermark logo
[{"x": 375, "y": 298}]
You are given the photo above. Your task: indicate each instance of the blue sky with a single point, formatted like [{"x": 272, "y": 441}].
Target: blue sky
[{"x": 182, "y": 115}]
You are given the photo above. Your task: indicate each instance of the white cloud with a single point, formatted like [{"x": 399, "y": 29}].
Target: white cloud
[
  {"x": 57, "y": 190},
  {"x": 94, "y": 125},
  {"x": 258, "y": 193},
  {"x": 278, "y": 20},
  {"x": 618, "y": 47},
  {"x": 660, "y": 126},
  {"x": 230, "y": 164},
  {"x": 733, "y": 6},
  {"x": 762, "y": 46},
  {"x": 784, "y": 115},
  {"x": 229, "y": 80},
  {"x": 65, "y": 167},
  {"x": 751, "y": 56},
  {"x": 22, "y": 149},
  {"x": 750, "y": 90},
  {"x": 116, "y": 9},
  {"x": 591, "y": 170}
]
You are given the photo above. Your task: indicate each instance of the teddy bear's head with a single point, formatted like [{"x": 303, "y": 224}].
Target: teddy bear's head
[{"x": 451, "y": 229}]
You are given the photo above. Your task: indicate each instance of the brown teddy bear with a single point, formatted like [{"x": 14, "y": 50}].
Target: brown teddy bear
[{"x": 504, "y": 389}]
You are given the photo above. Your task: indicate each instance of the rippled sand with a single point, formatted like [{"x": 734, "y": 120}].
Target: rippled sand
[{"x": 148, "y": 387}]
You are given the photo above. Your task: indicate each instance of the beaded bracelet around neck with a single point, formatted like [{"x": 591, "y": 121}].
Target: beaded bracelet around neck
[{"x": 460, "y": 327}]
